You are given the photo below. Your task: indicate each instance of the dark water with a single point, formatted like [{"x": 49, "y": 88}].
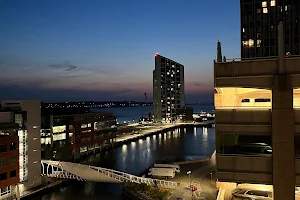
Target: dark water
[
  {"x": 135, "y": 113},
  {"x": 135, "y": 158}
]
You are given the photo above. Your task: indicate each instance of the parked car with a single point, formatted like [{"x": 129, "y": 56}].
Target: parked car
[{"x": 251, "y": 194}]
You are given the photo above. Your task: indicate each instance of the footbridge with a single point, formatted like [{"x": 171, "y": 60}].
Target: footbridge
[{"x": 81, "y": 172}]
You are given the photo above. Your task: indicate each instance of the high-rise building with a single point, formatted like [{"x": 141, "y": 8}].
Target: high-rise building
[
  {"x": 257, "y": 112},
  {"x": 259, "y": 21},
  {"x": 168, "y": 89},
  {"x": 27, "y": 114}
]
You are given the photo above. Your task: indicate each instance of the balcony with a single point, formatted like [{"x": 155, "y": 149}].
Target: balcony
[{"x": 241, "y": 169}]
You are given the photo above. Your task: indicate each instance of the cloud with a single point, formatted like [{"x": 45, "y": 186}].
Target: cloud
[
  {"x": 65, "y": 67},
  {"x": 199, "y": 84},
  {"x": 103, "y": 71},
  {"x": 72, "y": 76}
]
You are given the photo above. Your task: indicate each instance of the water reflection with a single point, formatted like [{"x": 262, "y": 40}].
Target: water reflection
[{"x": 136, "y": 157}]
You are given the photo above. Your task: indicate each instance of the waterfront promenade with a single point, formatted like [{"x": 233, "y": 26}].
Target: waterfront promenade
[
  {"x": 144, "y": 131},
  {"x": 125, "y": 134}
]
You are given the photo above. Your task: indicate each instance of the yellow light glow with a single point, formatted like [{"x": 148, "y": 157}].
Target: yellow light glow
[{"x": 242, "y": 98}]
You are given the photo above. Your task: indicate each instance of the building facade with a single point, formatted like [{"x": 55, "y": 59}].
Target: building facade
[
  {"x": 259, "y": 20},
  {"x": 257, "y": 123},
  {"x": 168, "y": 89},
  {"x": 27, "y": 114},
  {"x": 78, "y": 133},
  {"x": 9, "y": 155}
]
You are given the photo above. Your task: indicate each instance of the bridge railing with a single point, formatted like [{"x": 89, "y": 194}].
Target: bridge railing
[
  {"x": 55, "y": 169},
  {"x": 125, "y": 177}
]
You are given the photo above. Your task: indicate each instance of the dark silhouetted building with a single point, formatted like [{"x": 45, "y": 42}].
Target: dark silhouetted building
[
  {"x": 259, "y": 21},
  {"x": 168, "y": 89}
]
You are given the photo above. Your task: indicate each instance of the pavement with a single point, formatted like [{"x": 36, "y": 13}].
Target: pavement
[
  {"x": 200, "y": 177},
  {"x": 125, "y": 132},
  {"x": 143, "y": 130}
]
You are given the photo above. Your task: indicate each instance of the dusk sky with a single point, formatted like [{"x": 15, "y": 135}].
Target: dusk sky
[{"x": 71, "y": 50}]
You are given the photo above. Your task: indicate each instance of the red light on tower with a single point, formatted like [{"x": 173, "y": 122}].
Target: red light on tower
[{"x": 156, "y": 54}]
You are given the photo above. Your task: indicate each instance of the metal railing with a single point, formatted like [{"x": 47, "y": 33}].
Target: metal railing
[
  {"x": 125, "y": 177},
  {"x": 254, "y": 59},
  {"x": 55, "y": 170}
]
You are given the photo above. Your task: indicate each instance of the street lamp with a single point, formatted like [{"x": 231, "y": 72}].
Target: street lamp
[{"x": 189, "y": 173}]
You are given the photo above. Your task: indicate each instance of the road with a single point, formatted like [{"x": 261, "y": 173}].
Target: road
[{"x": 200, "y": 177}]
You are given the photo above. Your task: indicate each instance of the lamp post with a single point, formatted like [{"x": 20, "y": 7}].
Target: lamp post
[{"x": 189, "y": 173}]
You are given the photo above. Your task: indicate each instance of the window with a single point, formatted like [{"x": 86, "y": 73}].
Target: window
[
  {"x": 265, "y": 10},
  {"x": 13, "y": 174},
  {"x": 262, "y": 100},
  {"x": 3, "y": 162},
  {"x": 273, "y": 3},
  {"x": 251, "y": 43},
  {"x": 83, "y": 125},
  {"x": 258, "y": 43},
  {"x": 13, "y": 146},
  {"x": 245, "y": 100},
  {"x": 4, "y": 191},
  {"x": 2, "y": 148},
  {"x": 264, "y": 4},
  {"x": 13, "y": 160},
  {"x": 3, "y": 176}
]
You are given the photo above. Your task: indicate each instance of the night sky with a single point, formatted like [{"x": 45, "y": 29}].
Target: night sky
[{"x": 71, "y": 50}]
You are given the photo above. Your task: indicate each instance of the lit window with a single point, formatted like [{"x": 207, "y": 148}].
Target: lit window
[
  {"x": 265, "y": 10},
  {"x": 245, "y": 44},
  {"x": 258, "y": 43},
  {"x": 243, "y": 30},
  {"x": 251, "y": 43},
  {"x": 264, "y": 4},
  {"x": 285, "y": 7},
  {"x": 273, "y": 3}
]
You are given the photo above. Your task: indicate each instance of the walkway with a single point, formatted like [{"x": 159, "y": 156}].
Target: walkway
[
  {"x": 153, "y": 128},
  {"x": 200, "y": 177},
  {"x": 68, "y": 170}
]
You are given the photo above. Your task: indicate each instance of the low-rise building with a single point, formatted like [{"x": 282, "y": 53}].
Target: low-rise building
[
  {"x": 9, "y": 155},
  {"x": 77, "y": 133},
  {"x": 26, "y": 138}
]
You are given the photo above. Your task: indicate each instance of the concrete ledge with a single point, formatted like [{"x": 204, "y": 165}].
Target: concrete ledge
[{"x": 192, "y": 161}]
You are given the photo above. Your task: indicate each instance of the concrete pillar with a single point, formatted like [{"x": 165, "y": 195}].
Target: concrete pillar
[
  {"x": 283, "y": 138},
  {"x": 283, "y": 132},
  {"x": 281, "y": 49}
]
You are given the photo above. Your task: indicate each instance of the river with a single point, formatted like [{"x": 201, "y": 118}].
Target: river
[
  {"x": 135, "y": 157},
  {"x": 135, "y": 113}
]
